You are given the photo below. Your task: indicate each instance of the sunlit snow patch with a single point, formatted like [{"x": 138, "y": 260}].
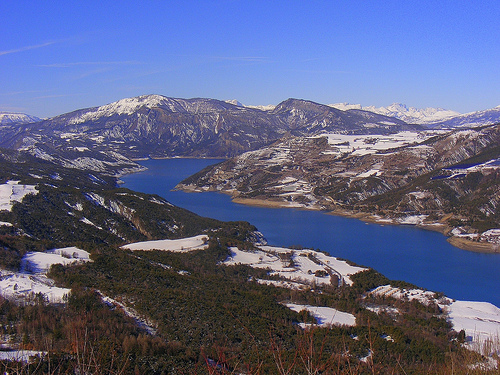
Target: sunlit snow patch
[
  {"x": 479, "y": 320},
  {"x": 26, "y": 356},
  {"x": 12, "y": 192},
  {"x": 325, "y": 316},
  {"x": 32, "y": 279},
  {"x": 181, "y": 245},
  {"x": 37, "y": 262},
  {"x": 303, "y": 267}
]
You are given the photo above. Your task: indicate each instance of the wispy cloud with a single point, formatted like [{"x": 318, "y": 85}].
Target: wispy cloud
[
  {"x": 26, "y": 48},
  {"x": 13, "y": 93},
  {"x": 89, "y": 63},
  {"x": 319, "y": 71},
  {"x": 55, "y": 96},
  {"x": 240, "y": 58}
]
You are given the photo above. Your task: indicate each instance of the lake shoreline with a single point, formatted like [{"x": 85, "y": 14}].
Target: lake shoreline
[
  {"x": 398, "y": 251},
  {"x": 459, "y": 242}
]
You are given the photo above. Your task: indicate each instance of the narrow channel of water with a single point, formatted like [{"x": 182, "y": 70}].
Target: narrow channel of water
[{"x": 405, "y": 253}]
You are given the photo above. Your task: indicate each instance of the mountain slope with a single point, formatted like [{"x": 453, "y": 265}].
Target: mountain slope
[
  {"x": 304, "y": 117},
  {"x": 8, "y": 118},
  {"x": 410, "y": 115},
  {"x": 158, "y": 126},
  {"x": 473, "y": 119}
]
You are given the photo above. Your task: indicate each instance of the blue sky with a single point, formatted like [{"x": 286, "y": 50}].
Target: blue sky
[{"x": 60, "y": 56}]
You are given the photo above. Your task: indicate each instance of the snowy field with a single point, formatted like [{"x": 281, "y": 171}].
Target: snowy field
[
  {"x": 371, "y": 144},
  {"x": 32, "y": 279},
  {"x": 300, "y": 267},
  {"x": 26, "y": 356},
  {"x": 12, "y": 192},
  {"x": 479, "y": 320},
  {"x": 181, "y": 245},
  {"x": 325, "y": 316}
]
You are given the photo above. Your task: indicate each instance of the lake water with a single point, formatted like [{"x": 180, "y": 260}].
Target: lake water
[{"x": 405, "y": 253}]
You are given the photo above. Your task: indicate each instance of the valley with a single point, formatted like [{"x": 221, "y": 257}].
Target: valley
[
  {"x": 100, "y": 278},
  {"x": 425, "y": 178}
]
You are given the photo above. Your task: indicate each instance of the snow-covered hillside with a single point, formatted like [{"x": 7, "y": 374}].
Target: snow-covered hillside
[
  {"x": 479, "y": 320},
  {"x": 410, "y": 115},
  {"x": 8, "y": 118},
  {"x": 181, "y": 245},
  {"x": 12, "y": 192},
  {"x": 32, "y": 278},
  {"x": 472, "y": 119},
  {"x": 300, "y": 268}
]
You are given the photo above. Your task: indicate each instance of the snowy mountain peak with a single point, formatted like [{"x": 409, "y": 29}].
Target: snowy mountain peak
[
  {"x": 472, "y": 119},
  {"x": 125, "y": 106},
  {"x": 403, "y": 112},
  {"x": 7, "y": 118},
  {"x": 235, "y": 102}
]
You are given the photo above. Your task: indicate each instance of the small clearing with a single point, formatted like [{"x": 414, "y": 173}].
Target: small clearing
[
  {"x": 12, "y": 192},
  {"x": 181, "y": 245},
  {"x": 301, "y": 267},
  {"x": 325, "y": 316}
]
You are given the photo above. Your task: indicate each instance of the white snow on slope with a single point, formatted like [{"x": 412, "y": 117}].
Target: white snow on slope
[
  {"x": 306, "y": 267},
  {"x": 26, "y": 356},
  {"x": 181, "y": 245},
  {"x": 479, "y": 320},
  {"x": 130, "y": 312},
  {"x": 123, "y": 106},
  {"x": 37, "y": 262},
  {"x": 23, "y": 286},
  {"x": 402, "y": 112},
  {"x": 371, "y": 144},
  {"x": 325, "y": 316},
  {"x": 7, "y": 118},
  {"x": 12, "y": 192},
  {"x": 472, "y": 119},
  {"x": 33, "y": 280}
]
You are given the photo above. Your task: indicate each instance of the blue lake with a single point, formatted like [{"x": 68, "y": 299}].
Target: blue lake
[{"x": 405, "y": 253}]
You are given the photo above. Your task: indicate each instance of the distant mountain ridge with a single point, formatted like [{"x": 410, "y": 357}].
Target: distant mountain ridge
[
  {"x": 473, "y": 119},
  {"x": 7, "y": 118},
  {"x": 401, "y": 111},
  {"x": 430, "y": 117},
  {"x": 159, "y": 126}
]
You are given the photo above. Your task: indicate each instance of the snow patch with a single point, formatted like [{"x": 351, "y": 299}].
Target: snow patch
[
  {"x": 26, "y": 356},
  {"x": 12, "y": 192},
  {"x": 32, "y": 279},
  {"x": 325, "y": 316},
  {"x": 304, "y": 268},
  {"x": 181, "y": 245}
]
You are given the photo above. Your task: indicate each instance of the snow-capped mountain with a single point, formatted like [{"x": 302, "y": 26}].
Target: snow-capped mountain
[
  {"x": 472, "y": 119},
  {"x": 234, "y": 102},
  {"x": 7, "y": 118},
  {"x": 429, "y": 117},
  {"x": 268, "y": 107},
  {"x": 400, "y": 111},
  {"x": 159, "y": 126}
]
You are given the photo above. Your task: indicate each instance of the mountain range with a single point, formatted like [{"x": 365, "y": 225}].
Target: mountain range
[
  {"x": 410, "y": 115},
  {"x": 158, "y": 126}
]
